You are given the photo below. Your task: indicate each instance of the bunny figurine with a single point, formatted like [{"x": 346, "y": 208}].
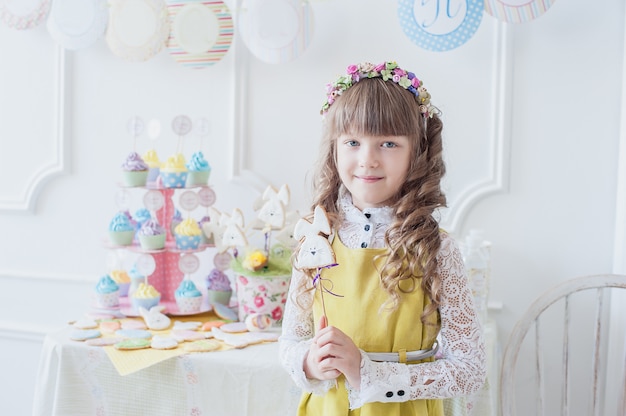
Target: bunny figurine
[{"x": 154, "y": 318}]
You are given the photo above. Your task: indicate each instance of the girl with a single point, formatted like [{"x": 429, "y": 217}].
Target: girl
[{"x": 364, "y": 342}]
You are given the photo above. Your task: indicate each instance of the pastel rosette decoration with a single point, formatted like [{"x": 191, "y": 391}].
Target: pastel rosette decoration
[{"x": 388, "y": 71}]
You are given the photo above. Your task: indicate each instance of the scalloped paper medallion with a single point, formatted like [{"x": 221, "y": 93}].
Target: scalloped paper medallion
[
  {"x": 517, "y": 11},
  {"x": 202, "y": 32},
  {"x": 440, "y": 25},
  {"x": 138, "y": 29},
  {"x": 23, "y": 14}
]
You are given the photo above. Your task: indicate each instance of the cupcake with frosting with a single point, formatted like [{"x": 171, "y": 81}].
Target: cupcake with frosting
[
  {"x": 188, "y": 235},
  {"x": 134, "y": 170},
  {"x": 218, "y": 287},
  {"x": 152, "y": 235},
  {"x": 107, "y": 292},
  {"x": 154, "y": 166},
  {"x": 174, "y": 172},
  {"x": 188, "y": 297},
  {"x": 199, "y": 170},
  {"x": 121, "y": 230},
  {"x": 136, "y": 279},
  {"x": 122, "y": 279},
  {"x": 145, "y": 296}
]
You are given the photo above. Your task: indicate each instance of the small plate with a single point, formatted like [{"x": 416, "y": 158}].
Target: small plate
[{"x": 170, "y": 306}]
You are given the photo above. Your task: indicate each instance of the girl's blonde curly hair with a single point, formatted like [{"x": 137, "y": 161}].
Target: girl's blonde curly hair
[{"x": 378, "y": 108}]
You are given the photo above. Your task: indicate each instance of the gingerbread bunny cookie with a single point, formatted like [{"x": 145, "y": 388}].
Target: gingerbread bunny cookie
[{"x": 315, "y": 251}]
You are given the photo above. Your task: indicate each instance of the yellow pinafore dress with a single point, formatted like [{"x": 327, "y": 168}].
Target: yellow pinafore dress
[{"x": 356, "y": 313}]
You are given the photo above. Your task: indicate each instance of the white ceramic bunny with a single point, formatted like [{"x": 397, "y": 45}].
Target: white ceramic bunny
[
  {"x": 154, "y": 318},
  {"x": 315, "y": 249}
]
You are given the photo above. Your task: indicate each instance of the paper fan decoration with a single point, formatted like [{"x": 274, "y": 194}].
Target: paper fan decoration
[
  {"x": 23, "y": 14},
  {"x": 440, "y": 26},
  {"x": 276, "y": 31},
  {"x": 202, "y": 32},
  {"x": 138, "y": 29},
  {"x": 76, "y": 24},
  {"x": 517, "y": 11}
]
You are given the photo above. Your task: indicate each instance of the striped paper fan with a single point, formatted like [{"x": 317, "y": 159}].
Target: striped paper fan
[
  {"x": 517, "y": 11},
  {"x": 202, "y": 32}
]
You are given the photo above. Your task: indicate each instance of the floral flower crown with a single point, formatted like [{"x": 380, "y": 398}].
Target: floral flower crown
[{"x": 388, "y": 71}]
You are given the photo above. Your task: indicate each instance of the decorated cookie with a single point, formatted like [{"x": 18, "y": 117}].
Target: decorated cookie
[
  {"x": 133, "y": 333},
  {"x": 208, "y": 325},
  {"x": 133, "y": 344},
  {"x": 315, "y": 250},
  {"x": 160, "y": 342},
  {"x": 258, "y": 322},
  {"x": 83, "y": 334},
  {"x": 103, "y": 342},
  {"x": 134, "y": 324},
  {"x": 242, "y": 340},
  {"x": 202, "y": 346},
  {"x": 109, "y": 327},
  {"x": 154, "y": 318},
  {"x": 225, "y": 312},
  {"x": 85, "y": 324},
  {"x": 234, "y": 327},
  {"x": 190, "y": 325},
  {"x": 182, "y": 335}
]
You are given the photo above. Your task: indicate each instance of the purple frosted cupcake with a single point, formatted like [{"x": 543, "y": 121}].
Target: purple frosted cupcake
[
  {"x": 152, "y": 235},
  {"x": 218, "y": 287},
  {"x": 135, "y": 170}
]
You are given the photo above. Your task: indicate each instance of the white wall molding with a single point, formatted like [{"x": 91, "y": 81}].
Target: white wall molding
[
  {"x": 28, "y": 198},
  {"x": 239, "y": 172},
  {"x": 499, "y": 137}
]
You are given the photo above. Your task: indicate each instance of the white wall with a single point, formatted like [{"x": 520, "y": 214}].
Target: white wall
[{"x": 537, "y": 174}]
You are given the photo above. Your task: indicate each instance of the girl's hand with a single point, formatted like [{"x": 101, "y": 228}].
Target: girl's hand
[
  {"x": 315, "y": 366},
  {"x": 333, "y": 352}
]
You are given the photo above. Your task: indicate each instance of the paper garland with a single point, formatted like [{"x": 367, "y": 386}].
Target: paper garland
[
  {"x": 440, "y": 26},
  {"x": 517, "y": 11},
  {"x": 23, "y": 14},
  {"x": 202, "y": 32},
  {"x": 138, "y": 29},
  {"x": 77, "y": 24},
  {"x": 276, "y": 31}
]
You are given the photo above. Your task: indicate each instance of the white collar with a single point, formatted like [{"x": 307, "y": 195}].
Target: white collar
[{"x": 350, "y": 213}]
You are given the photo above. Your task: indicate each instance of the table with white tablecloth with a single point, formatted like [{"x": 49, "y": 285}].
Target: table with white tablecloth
[{"x": 76, "y": 379}]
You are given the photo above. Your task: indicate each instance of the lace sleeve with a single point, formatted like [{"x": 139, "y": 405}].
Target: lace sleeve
[
  {"x": 460, "y": 368},
  {"x": 295, "y": 340}
]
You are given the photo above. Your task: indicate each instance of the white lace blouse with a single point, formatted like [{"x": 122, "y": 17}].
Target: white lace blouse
[{"x": 460, "y": 367}]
